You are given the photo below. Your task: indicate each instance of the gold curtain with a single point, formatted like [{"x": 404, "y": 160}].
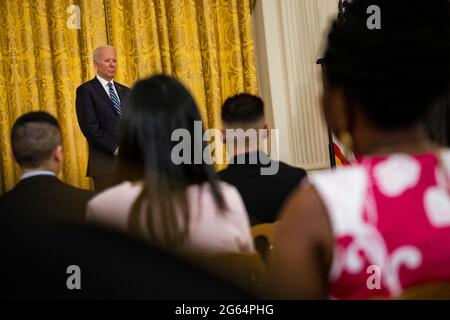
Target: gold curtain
[
  {"x": 42, "y": 62},
  {"x": 205, "y": 43}
]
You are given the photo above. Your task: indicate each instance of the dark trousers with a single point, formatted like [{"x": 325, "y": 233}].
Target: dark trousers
[{"x": 103, "y": 182}]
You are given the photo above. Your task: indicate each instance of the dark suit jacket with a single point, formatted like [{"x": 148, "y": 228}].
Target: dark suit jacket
[
  {"x": 263, "y": 195},
  {"x": 98, "y": 122},
  {"x": 44, "y": 195}
]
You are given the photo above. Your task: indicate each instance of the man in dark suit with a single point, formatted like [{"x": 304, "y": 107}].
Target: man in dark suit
[
  {"x": 36, "y": 145},
  {"x": 263, "y": 183},
  {"x": 99, "y": 104}
]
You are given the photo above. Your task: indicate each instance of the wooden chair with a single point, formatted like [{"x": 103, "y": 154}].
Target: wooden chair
[
  {"x": 264, "y": 237},
  {"x": 246, "y": 270},
  {"x": 429, "y": 291}
]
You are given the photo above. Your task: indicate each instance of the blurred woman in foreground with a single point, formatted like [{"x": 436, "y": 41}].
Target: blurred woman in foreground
[
  {"x": 168, "y": 196},
  {"x": 381, "y": 225}
]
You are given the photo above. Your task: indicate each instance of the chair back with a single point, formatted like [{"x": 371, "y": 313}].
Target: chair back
[
  {"x": 246, "y": 270},
  {"x": 263, "y": 238},
  {"x": 430, "y": 291}
]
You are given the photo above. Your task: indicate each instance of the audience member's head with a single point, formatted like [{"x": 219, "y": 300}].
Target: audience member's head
[
  {"x": 243, "y": 111},
  {"x": 383, "y": 81},
  {"x": 105, "y": 62},
  {"x": 243, "y": 120},
  {"x": 160, "y": 143},
  {"x": 36, "y": 142}
]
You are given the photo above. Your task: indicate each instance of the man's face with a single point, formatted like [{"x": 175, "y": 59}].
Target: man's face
[{"x": 106, "y": 63}]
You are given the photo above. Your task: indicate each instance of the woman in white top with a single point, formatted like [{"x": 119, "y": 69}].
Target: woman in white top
[{"x": 167, "y": 197}]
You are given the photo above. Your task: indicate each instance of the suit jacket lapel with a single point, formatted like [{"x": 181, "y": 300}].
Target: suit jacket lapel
[
  {"x": 120, "y": 93},
  {"x": 98, "y": 86}
]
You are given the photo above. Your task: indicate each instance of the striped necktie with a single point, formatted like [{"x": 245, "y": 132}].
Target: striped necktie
[{"x": 114, "y": 99}]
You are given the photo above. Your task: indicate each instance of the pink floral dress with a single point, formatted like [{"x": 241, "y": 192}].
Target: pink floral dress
[{"x": 390, "y": 216}]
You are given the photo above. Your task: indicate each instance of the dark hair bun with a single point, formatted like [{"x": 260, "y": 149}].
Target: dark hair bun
[{"x": 395, "y": 72}]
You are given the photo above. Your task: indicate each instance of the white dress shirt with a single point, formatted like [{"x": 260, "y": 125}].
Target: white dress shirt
[
  {"x": 37, "y": 173},
  {"x": 106, "y": 87}
]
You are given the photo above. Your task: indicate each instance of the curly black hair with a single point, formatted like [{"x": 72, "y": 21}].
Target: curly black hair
[{"x": 395, "y": 73}]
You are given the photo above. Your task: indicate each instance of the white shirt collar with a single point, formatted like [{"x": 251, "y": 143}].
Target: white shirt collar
[
  {"x": 103, "y": 81},
  {"x": 37, "y": 173}
]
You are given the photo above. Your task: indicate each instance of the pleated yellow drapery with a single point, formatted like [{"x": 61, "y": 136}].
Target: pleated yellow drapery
[
  {"x": 205, "y": 43},
  {"x": 42, "y": 62}
]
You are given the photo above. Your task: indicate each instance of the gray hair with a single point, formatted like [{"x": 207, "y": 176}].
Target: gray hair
[{"x": 98, "y": 49}]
